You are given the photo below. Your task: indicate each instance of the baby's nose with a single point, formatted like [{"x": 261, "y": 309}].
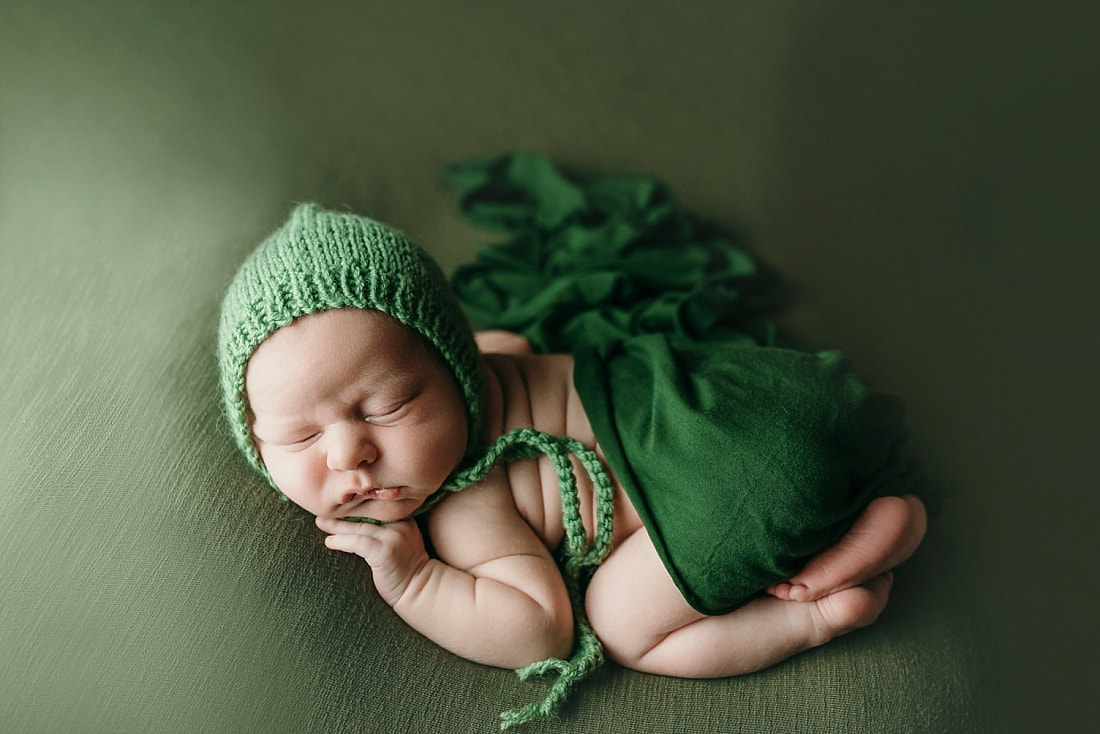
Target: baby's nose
[{"x": 351, "y": 451}]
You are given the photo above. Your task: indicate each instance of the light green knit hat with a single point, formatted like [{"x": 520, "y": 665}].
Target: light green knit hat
[{"x": 319, "y": 260}]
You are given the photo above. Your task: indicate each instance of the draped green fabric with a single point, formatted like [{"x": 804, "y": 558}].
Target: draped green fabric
[
  {"x": 604, "y": 258},
  {"x": 743, "y": 459}
]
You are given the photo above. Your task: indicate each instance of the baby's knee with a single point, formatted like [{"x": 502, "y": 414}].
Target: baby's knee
[
  {"x": 632, "y": 603},
  {"x": 623, "y": 641},
  {"x": 602, "y": 610},
  {"x": 632, "y": 622},
  {"x": 625, "y": 623}
]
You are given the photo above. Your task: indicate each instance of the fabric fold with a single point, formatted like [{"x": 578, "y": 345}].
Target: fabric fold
[{"x": 588, "y": 261}]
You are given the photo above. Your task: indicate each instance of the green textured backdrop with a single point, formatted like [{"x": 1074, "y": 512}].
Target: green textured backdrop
[{"x": 924, "y": 175}]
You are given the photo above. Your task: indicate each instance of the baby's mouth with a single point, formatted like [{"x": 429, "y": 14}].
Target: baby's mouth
[
  {"x": 385, "y": 493},
  {"x": 374, "y": 493}
]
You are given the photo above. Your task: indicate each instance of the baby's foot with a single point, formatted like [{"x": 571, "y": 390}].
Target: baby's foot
[
  {"x": 847, "y": 610},
  {"x": 885, "y": 534}
]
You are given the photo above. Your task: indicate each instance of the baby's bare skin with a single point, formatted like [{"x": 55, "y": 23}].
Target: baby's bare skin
[
  {"x": 494, "y": 593},
  {"x": 883, "y": 536},
  {"x": 632, "y": 602}
]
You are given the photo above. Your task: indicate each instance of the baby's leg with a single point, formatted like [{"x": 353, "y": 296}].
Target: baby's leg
[
  {"x": 645, "y": 624},
  {"x": 885, "y": 534}
]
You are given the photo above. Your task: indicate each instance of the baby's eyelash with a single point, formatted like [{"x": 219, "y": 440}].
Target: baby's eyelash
[
  {"x": 385, "y": 414},
  {"x": 304, "y": 440}
]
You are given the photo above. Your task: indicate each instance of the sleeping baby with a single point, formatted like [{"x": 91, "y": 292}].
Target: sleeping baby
[{"x": 691, "y": 509}]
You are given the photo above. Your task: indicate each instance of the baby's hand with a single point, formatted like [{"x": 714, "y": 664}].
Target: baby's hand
[
  {"x": 496, "y": 341},
  {"x": 395, "y": 552}
]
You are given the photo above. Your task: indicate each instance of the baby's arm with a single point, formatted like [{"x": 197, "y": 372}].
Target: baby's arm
[{"x": 495, "y": 595}]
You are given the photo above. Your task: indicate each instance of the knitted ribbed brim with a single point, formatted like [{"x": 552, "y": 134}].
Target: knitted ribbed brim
[{"x": 321, "y": 260}]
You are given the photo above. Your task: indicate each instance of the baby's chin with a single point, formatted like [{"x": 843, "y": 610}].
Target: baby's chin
[{"x": 383, "y": 512}]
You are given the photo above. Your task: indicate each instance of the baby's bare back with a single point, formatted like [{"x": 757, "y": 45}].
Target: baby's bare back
[{"x": 537, "y": 391}]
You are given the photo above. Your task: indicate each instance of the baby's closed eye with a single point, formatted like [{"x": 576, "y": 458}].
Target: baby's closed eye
[
  {"x": 389, "y": 410},
  {"x": 303, "y": 441},
  {"x": 293, "y": 440},
  {"x": 386, "y": 416}
]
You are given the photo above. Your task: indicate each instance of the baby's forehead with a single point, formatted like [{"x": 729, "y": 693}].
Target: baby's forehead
[{"x": 331, "y": 340}]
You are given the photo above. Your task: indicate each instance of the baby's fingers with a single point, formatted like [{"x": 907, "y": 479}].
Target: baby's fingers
[
  {"x": 378, "y": 545},
  {"x": 365, "y": 546},
  {"x": 345, "y": 527},
  {"x": 362, "y": 539},
  {"x": 394, "y": 552}
]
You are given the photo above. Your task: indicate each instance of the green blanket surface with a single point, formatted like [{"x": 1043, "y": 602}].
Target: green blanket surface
[{"x": 151, "y": 583}]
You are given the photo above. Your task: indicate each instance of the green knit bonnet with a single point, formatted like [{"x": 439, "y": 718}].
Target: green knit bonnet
[{"x": 320, "y": 260}]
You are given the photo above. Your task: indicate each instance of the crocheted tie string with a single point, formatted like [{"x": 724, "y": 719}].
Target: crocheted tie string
[{"x": 579, "y": 556}]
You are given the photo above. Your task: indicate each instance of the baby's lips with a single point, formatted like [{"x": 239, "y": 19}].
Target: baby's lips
[
  {"x": 374, "y": 493},
  {"x": 353, "y": 495},
  {"x": 387, "y": 493}
]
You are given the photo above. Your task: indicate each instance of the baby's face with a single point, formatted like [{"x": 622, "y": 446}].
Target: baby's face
[{"x": 353, "y": 415}]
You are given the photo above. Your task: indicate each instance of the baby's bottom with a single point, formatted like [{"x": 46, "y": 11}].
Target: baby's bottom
[{"x": 645, "y": 624}]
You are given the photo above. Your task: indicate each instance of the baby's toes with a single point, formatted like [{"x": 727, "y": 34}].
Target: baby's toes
[
  {"x": 780, "y": 591},
  {"x": 788, "y": 591},
  {"x": 850, "y": 609}
]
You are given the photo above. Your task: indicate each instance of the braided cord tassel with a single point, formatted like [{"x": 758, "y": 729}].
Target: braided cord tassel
[{"x": 580, "y": 556}]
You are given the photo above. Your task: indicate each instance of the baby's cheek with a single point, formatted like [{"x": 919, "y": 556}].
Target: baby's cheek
[
  {"x": 449, "y": 449},
  {"x": 298, "y": 478}
]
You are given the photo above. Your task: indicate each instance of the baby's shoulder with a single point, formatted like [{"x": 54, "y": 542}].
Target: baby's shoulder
[
  {"x": 536, "y": 391},
  {"x": 482, "y": 522}
]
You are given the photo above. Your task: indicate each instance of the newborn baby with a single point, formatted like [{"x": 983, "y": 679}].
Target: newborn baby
[{"x": 355, "y": 386}]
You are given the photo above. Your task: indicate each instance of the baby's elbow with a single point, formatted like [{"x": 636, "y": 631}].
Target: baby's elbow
[
  {"x": 558, "y": 645},
  {"x": 562, "y": 640},
  {"x": 531, "y": 644},
  {"x": 555, "y": 633}
]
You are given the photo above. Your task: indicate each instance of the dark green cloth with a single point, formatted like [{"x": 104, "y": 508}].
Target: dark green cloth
[
  {"x": 743, "y": 459},
  {"x": 600, "y": 259}
]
